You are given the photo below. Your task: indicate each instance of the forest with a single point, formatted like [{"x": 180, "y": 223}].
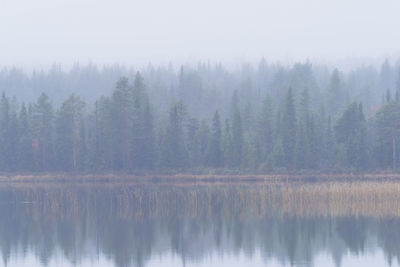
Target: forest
[{"x": 263, "y": 118}]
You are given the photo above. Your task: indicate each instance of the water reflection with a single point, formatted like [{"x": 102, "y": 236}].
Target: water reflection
[{"x": 133, "y": 224}]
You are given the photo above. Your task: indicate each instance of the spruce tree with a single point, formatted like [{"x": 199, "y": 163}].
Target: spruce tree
[
  {"x": 193, "y": 143},
  {"x": 174, "y": 153},
  {"x": 215, "y": 158},
  {"x": 288, "y": 129},
  {"x": 42, "y": 126},
  {"x": 237, "y": 133},
  {"x": 122, "y": 124},
  {"x": 265, "y": 129},
  {"x": 350, "y": 133},
  {"x": 142, "y": 143},
  {"x": 204, "y": 142},
  {"x": 304, "y": 133},
  {"x": 24, "y": 146},
  {"x": 5, "y": 148},
  {"x": 336, "y": 95},
  {"x": 388, "y": 133},
  {"x": 228, "y": 145},
  {"x": 71, "y": 135}
]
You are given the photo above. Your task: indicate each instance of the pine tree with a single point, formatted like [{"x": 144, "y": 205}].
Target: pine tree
[
  {"x": 204, "y": 142},
  {"x": 265, "y": 130},
  {"x": 388, "y": 132},
  {"x": 193, "y": 143},
  {"x": 24, "y": 146},
  {"x": 174, "y": 153},
  {"x": 149, "y": 153},
  {"x": 350, "y": 133},
  {"x": 288, "y": 129},
  {"x": 336, "y": 94},
  {"x": 142, "y": 145},
  {"x": 82, "y": 147},
  {"x": 301, "y": 156},
  {"x": 13, "y": 138},
  {"x": 228, "y": 145},
  {"x": 122, "y": 124},
  {"x": 215, "y": 158},
  {"x": 71, "y": 135},
  {"x": 4, "y": 133},
  {"x": 304, "y": 133},
  {"x": 237, "y": 133},
  {"x": 42, "y": 126},
  {"x": 277, "y": 157},
  {"x": 329, "y": 155},
  {"x": 101, "y": 150}
]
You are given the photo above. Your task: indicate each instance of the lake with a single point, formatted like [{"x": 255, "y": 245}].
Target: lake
[{"x": 200, "y": 224}]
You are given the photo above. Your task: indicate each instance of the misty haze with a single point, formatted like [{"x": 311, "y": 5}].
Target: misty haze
[{"x": 199, "y": 133}]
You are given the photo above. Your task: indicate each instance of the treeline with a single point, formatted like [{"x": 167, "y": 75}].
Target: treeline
[{"x": 127, "y": 132}]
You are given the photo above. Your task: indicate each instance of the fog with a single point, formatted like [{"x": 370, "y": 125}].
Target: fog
[{"x": 39, "y": 33}]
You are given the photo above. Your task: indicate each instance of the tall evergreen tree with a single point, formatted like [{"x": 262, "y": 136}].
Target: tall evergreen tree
[
  {"x": 336, "y": 95},
  {"x": 149, "y": 153},
  {"x": 302, "y": 146},
  {"x": 265, "y": 130},
  {"x": 193, "y": 143},
  {"x": 304, "y": 132},
  {"x": 204, "y": 142},
  {"x": 237, "y": 133},
  {"x": 25, "y": 141},
  {"x": 100, "y": 148},
  {"x": 5, "y": 147},
  {"x": 174, "y": 152},
  {"x": 142, "y": 127},
  {"x": 388, "y": 127},
  {"x": 215, "y": 158},
  {"x": 13, "y": 138},
  {"x": 328, "y": 144},
  {"x": 70, "y": 135},
  {"x": 288, "y": 129},
  {"x": 122, "y": 125},
  {"x": 42, "y": 126},
  {"x": 350, "y": 133},
  {"x": 228, "y": 145}
]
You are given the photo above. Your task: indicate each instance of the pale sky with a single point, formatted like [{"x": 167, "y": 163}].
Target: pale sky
[{"x": 41, "y": 32}]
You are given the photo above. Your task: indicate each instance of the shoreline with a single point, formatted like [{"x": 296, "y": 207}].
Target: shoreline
[{"x": 193, "y": 178}]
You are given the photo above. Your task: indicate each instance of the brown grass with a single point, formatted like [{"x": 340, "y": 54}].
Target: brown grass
[
  {"x": 359, "y": 198},
  {"x": 187, "y": 177}
]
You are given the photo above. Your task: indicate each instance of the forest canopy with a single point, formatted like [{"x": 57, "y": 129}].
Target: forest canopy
[{"x": 258, "y": 119}]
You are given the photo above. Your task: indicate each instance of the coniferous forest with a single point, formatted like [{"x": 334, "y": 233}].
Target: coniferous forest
[{"x": 262, "y": 118}]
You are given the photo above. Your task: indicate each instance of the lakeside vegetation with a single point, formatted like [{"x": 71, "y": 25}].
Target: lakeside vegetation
[
  {"x": 297, "y": 199},
  {"x": 131, "y": 222},
  {"x": 189, "y": 178},
  {"x": 268, "y": 119}
]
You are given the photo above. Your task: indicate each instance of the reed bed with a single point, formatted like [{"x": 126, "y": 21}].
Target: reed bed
[
  {"x": 188, "y": 177},
  {"x": 360, "y": 198},
  {"x": 376, "y": 199}
]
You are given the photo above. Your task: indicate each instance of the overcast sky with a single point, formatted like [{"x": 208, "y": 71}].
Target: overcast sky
[{"x": 40, "y": 32}]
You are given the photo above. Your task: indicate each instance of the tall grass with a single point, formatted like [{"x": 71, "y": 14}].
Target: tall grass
[{"x": 375, "y": 199}]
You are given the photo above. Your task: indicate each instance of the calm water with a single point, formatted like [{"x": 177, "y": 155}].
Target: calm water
[{"x": 314, "y": 224}]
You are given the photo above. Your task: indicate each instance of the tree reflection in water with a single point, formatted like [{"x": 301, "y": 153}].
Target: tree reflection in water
[{"x": 131, "y": 223}]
